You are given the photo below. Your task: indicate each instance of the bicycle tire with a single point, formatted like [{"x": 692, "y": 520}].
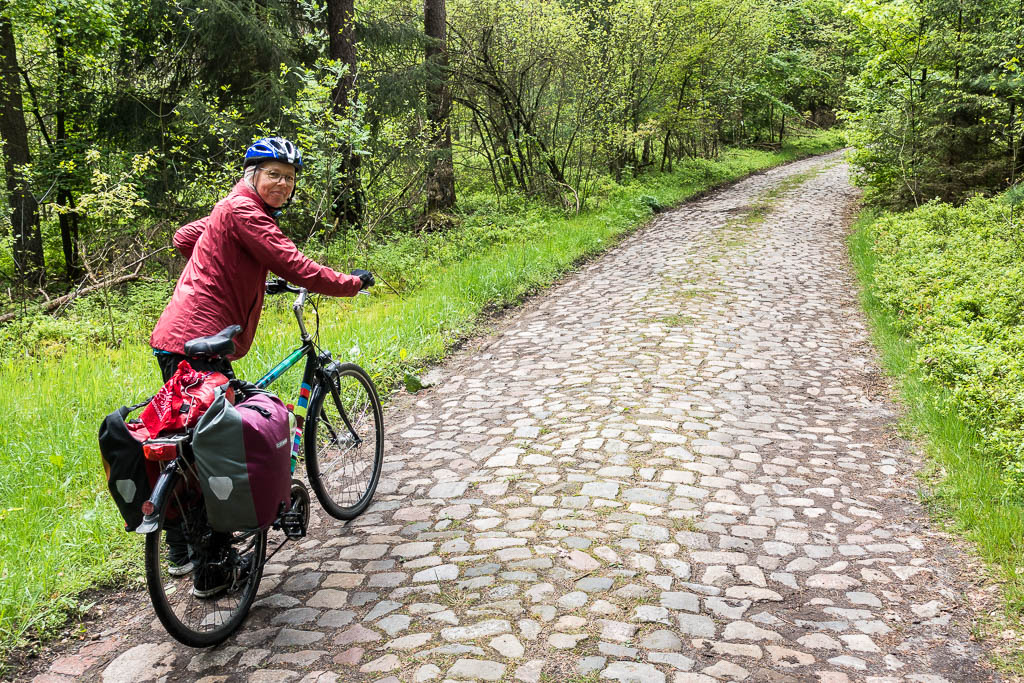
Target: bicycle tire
[
  {"x": 190, "y": 620},
  {"x": 344, "y": 469}
]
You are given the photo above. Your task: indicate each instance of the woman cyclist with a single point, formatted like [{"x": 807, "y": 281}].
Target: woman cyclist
[{"x": 230, "y": 252}]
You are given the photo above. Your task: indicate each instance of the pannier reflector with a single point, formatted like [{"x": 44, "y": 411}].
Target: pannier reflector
[
  {"x": 160, "y": 451},
  {"x": 127, "y": 489},
  {"x": 221, "y": 487}
]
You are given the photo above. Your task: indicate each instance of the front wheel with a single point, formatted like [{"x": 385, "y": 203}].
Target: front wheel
[
  {"x": 345, "y": 442},
  {"x": 226, "y": 571}
]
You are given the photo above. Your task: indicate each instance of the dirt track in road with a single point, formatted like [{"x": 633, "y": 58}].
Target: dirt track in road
[{"x": 678, "y": 465}]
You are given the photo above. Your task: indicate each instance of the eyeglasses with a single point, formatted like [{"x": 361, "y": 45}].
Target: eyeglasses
[{"x": 275, "y": 177}]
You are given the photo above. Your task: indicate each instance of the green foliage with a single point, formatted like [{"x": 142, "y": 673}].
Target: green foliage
[
  {"x": 936, "y": 110},
  {"x": 954, "y": 280},
  {"x": 549, "y": 99},
  {"x": 965, "y": 485},
  {"x": 1013, "y": 196},
  {"x": 86, "y": 321}
]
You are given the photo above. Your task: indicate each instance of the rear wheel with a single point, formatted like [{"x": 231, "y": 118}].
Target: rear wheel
[
  {"x": 234, "y": 561},
  {"x": 345, "y": 442}
]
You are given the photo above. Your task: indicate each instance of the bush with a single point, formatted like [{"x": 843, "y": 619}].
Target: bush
[{"x": 954, "y": 280}]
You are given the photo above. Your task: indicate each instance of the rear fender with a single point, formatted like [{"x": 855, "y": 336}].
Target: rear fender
[{"x": 165, "y": 484}]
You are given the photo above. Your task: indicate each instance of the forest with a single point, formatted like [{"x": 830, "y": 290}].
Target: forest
[
  {"x": 121, "y": 121},
  {"x": 124, "y": 120},
  {"x": 446, "y": 129}
]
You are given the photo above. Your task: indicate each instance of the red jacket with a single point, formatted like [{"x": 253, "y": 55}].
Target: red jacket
[{"x": 229, "y": 255}]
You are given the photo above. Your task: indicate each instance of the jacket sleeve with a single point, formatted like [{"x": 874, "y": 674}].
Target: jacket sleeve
[
  {"x": 262, "y": 238},
  {"x": 187, "y": 235}
]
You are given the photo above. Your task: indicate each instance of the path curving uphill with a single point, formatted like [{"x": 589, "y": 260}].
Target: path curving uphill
[{"x": 678, "y": 465}]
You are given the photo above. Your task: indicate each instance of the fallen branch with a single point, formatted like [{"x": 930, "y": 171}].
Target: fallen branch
[
  {"x": 60, "y": 302},
  {"x": 56, "y": 303},
  {"x": 574, "y": 194}
]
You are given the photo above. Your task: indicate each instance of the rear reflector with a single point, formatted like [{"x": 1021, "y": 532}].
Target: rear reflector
[
  {"x": 160, "y": 451},
  {"x": 148, "y": 508}
]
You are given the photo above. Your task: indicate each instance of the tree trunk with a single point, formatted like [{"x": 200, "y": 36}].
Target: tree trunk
[
  {"x": 440, "y": 184},
  {"x": 28, "y": 243},
  {"x": 65, "y": 197},
  {"x": 350, "y": 201}
]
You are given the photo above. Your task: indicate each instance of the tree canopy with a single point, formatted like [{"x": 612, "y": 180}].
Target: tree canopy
[{"x": 122, "y": 120}]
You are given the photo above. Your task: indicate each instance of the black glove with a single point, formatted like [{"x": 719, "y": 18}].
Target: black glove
[
  {"x": 366, "y": 277},
  {"x": 277, "y": 286}
]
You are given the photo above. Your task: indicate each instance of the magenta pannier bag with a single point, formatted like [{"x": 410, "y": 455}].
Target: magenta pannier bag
[{"x": 243, "y": 455}]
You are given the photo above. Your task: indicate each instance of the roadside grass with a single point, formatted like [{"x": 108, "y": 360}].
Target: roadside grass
[
  {"x": 962, "y": 486},
  {"x": 59, "y": 532}
]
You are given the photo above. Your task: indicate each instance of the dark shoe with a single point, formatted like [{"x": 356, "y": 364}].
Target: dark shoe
[{"x": 210, "y": 581}]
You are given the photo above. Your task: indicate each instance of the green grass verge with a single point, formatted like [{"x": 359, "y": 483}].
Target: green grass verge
[
  {"x": 60, "y": 533},
  {"x": 963, "y": 486}
]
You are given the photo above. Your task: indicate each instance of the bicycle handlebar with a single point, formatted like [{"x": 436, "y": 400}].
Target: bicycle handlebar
[{"x": 279, "y": 286}]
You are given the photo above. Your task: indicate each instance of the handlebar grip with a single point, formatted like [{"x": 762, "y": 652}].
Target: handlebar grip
[{"x": 279, "y": 285}]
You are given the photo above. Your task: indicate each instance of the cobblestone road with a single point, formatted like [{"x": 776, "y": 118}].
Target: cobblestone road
[{"x": 678, "y": 465}]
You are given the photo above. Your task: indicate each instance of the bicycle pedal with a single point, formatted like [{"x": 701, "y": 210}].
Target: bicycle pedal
[{"x": 293, "y": 525}]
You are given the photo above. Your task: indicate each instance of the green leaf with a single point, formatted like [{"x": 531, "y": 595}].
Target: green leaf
[{"x": 413, "y": 383}]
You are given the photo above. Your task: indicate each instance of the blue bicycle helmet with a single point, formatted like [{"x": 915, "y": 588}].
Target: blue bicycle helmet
[{"x": 273, "y": 149}]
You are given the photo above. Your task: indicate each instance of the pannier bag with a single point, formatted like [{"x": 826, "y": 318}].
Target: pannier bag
[
  {"x": 182, "y": 400},
  {"x": 130, "y": 477},
  {"x": 243, "y": 455}
]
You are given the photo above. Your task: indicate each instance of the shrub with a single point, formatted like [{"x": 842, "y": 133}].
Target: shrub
[{"x": 954, "y": 280}]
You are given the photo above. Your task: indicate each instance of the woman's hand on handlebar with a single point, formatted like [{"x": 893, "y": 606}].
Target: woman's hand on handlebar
[
  {"x": 365, "y": 276},
  {"x": 279, "y": 286}
]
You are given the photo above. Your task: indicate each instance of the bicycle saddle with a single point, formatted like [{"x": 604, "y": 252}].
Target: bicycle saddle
[{"x": 219, "y": 344}]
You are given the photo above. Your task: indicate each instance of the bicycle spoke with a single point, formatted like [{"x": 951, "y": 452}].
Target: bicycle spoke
[
  {"x": 334, "y": 457},
  {"x": 195, "y": 621}
]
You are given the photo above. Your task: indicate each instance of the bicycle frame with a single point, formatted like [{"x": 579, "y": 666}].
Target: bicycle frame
[
  {"x": 313, "y": 363},
  {"x": 306, "y": 387}
]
